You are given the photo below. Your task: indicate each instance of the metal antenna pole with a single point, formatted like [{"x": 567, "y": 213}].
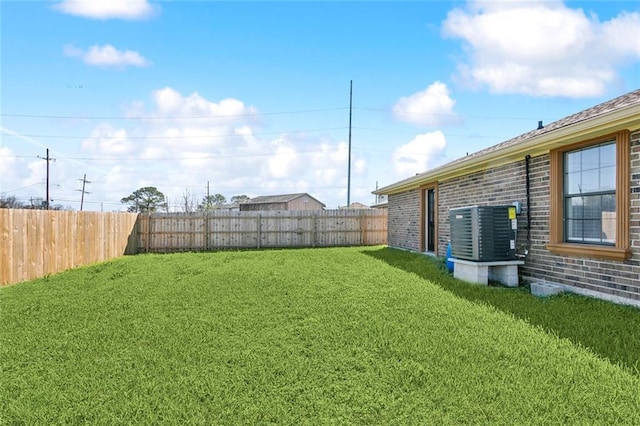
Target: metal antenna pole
[{"x": 349, "y": 160}]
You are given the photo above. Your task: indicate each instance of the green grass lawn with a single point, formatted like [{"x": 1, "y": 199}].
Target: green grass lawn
[
  {"x": 356, "y": 335},
  {"x": 612, "y": 331}
]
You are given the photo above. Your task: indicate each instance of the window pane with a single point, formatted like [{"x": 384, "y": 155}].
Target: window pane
[
  {"x": 573, "y": 208},
  {"x": 572, "y": 162},
  {"x": 592, "y": 230},
  {"x": 574, "y": 230},
  {"x": 572, "y": 183},
  {"x": 591, "y": 219},
  {"x": 592, "y": 207},
  {"x": 608, "y": 179},
  {"x": 590, "y": 181},
  {"x": 609, "y": 227},
  {"x": 609, "y": 203},
  {"x": 590, "y": 158},
  {"x": 608, "y": 155}
]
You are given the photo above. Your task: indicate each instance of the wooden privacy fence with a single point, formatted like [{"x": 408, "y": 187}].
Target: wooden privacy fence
[
  {"x": 215, "y": 230},
  {"x": 35, "y": 243}
]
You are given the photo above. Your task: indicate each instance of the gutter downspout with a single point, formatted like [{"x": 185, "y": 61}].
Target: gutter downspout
[{"x": 527, "y": 160}]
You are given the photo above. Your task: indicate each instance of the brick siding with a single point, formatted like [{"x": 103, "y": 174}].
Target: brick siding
[
  {"x": 506, "y": 184},
  {"x": 404, "y": 220},
  {"x": 609, "y": 277},
  {"x": 498, "y": 186}
]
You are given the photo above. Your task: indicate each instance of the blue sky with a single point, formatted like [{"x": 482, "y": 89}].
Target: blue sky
[{"x": 253, "y": 97}]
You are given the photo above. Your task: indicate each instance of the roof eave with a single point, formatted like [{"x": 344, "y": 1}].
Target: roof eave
[{"x": 624, "y": 118}]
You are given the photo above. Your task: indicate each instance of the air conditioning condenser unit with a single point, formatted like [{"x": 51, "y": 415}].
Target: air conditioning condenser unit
[{"x": 483, "y": 233}]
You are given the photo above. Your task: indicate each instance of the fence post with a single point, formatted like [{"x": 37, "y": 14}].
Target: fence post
[
  {"x": 314, "y": 231},
  {"x": 205, "y": 213},
  {"x": 259, "y": 229},
  {"x": 148, "y": 232},
  {"x": 362, "y": 228},
  {"x": 142, "y": 246}
]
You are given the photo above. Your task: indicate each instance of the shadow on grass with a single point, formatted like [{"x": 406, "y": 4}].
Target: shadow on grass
[{"x": 607, "y": 329}]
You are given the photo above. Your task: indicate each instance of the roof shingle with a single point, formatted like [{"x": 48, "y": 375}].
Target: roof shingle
[{"x": 620, "y": 102}]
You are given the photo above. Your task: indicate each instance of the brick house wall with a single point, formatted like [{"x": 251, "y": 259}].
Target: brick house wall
[
  {"x": 404, "y": 220},
  {"x": 609, "y": 277},
  {"x": 506, "y": 184},
  {"x": 635, "y": 198},
  {"x": 498, "y": 186}
]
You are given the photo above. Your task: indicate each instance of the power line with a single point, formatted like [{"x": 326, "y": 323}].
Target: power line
[
  {"x": 212, "y": 157},
  {"x": 200, "y": 157},
  {"x": 441, "y": 114},
  {"x": 18, "y": 156},
  {"x": 90, "y": 202},
  {"x": 395, "y": 131},
  {"x": 184, "y": 136},
  {"x": 37, "y": 143},
  {"x": 373, "y": 129},
  {"x": 253, "y": 114},
  {"x": 22, "y": 187},
  {"x": 167, "y": 117},
  {"x": 222, "y": 187}
]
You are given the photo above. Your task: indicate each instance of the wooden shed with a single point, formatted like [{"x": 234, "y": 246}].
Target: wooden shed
[{"x": 300, "y": 201}]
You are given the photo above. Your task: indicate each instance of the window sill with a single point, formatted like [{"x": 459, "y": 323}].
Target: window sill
[{"x": 584, "y": 250}]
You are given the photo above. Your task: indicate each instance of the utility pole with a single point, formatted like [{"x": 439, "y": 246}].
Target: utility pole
[
  {"x": 205, "y": 208},
  {"x": 84, "y": 182},
  {"x": 48, "y": 160},
  {"x": 207, "y": 203},
  {"x": 349, "y": 160}
]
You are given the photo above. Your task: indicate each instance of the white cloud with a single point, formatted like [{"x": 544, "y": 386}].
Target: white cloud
[
  {"x": 186, "y": 140},
  {"x": 197, "y": 110},
  {"x": 541, "y": 48},
  {"x": 330, "y": 163},
  {"x": 9, "y": 167},
  {"x": 7, "y": 159},
  {"x": 621, "y": 35},
  {"x": 106, "y": 141},
  {"x": 182, "y": 141},
  {"x": 283, "y": 162},
  {"x": 108, "y": 9},
  {"x": 420, "y": 154},
  {"x": 430, "y": 107},
  {"x": 19, "y": 174},
  {"x": 107, "y": 56}
]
